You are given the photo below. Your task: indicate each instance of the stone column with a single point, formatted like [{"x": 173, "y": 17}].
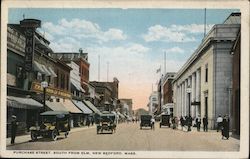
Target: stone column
[
  {"x": 185, "y": 97},
  {"x": 198, "y": 93},
  {"x": 182, "y": 99},
  {"x": 193, "y": 108}
]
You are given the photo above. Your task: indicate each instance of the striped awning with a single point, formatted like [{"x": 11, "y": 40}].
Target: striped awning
[
  {"x": 82, "y": 107},
  {"x": 70, "y": 106},
  {"x": 56, "y": 106},
  {"x": 23, "y": 103},
  {"x": 92, "y": 107}
]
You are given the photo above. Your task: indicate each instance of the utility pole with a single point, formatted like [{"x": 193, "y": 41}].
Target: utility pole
[
  {"x": 165, "y": 63},
  {"x": 98, "y": 68},
  {"x": 205, "y": 22},
  {"x": 107, "y": 71}
]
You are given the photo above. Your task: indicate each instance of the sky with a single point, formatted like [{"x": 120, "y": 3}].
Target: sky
[{"x": 130, "y": 42}]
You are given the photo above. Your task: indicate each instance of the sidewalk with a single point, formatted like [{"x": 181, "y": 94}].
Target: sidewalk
[{"x": 26, "y": 138}]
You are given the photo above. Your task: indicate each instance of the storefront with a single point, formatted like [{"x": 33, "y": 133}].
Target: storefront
[
  {"x": 87, "y": 112},
  {"x": 26, "y": 110}
]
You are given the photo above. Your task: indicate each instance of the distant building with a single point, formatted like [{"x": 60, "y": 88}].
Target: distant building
[
  {"x": 128, "y": 102},
  {"x": 203, "y": 86},
  {"x": 81, "y": 59},
  {"x": 108, "y": 92},
  {"x": 153, "y": 102},
  {"x": 165, "y": 94}
]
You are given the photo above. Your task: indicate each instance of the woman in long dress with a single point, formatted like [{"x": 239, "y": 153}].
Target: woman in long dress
[{"x": 225, "y": 125}]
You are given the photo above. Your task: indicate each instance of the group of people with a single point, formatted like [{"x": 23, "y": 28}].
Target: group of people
[{"x": 222, "y": 124}]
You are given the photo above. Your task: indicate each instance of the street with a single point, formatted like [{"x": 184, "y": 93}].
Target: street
[{"x": 130, "y": 137}]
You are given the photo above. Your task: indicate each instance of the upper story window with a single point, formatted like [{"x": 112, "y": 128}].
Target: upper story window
[{"x": 206, "y": 73}]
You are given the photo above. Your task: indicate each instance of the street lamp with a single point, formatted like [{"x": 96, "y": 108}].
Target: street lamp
[{"x": 44, "y": 84}]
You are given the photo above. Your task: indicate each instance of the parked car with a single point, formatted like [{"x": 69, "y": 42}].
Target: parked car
[
  {"x": 106, "y": 122},
  {"x": 146, "y": 121},
  {"x": 165, "y": 120},
  {"x": 53, "y": 123}
]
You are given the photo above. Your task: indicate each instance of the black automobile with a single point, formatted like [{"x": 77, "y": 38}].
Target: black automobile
[
  {"x": 106, "y": 122},
  {"x": 164, "y": 121},
  {"x": 146, "y": 121},
  {"x": 53, "y": 123}
]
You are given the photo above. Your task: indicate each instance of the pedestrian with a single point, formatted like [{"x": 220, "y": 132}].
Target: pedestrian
[
  {"x": 198, "y": 122},
  {"x": 176, "y": 122},
  {"x": 173, "y": 122},
  {"x": 92, "y": 121},
  {"x": 219, "y": 123},
  {"x": 13, "y": 129},
  {"x": 88, "y": 122},
  {"x": 205, "y": 123},
  {"x": 225, "y": 127},
  {"x": 182, "y": 122},
  {"x": 189, "y": 122},
  {"x": 153, "y": 123}
]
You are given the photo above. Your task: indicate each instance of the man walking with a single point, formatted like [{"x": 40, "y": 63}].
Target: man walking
[
  {"x": 13, "y": 129},
  {"x": 198, "y": 122},
  {"x": 189, "y": 122},
  {"x": 205, "y": 123},
  {"x": 219, "y": 123}
]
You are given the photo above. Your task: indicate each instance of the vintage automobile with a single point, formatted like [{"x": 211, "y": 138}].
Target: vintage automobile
[
  {"x": 165, "y": 120},
  {"x": 106, "y": 122},
  {"x": 53, "y": 123},
  {"x": 146, "y": 121}
]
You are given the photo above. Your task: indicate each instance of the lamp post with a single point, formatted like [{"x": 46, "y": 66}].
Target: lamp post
[{"x": 44, "y": 84}]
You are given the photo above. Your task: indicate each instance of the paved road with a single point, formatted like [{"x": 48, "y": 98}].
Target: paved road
[{"x": 130, "y": 137}]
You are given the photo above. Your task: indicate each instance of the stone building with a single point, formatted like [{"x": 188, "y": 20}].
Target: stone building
[{"x": 203, "y": 85}]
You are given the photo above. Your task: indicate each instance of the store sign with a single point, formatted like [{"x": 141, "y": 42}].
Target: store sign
[
  {"x": 29, "y": 49},
  {"x": 50, "y": 90}
]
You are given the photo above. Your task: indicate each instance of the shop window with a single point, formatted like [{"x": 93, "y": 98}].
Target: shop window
[{"x": 62, "y": 81}]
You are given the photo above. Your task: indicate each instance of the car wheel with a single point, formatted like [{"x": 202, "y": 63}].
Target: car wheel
[
  {"x": 33, "y": 136},
  {"x": 54, "y": 135}
]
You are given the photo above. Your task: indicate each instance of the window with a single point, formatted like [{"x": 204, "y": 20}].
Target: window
[
  {"x": 206, "y": 73},
  {"x": 62, "y": 81}
]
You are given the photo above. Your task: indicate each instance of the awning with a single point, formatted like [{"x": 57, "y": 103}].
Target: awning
[
  {"x": 24, "y": 103},
  {"x": 47, "y": 72},
  {"x": 77, "y": 85},
  {"x": 122, "y": 116},
  {"x": 53, "y": 74},
  {"x": 38, "y": 67},
  {"x": 82, "y": 107},
  {"x": 70, "y": 106},
  {"x": 55, "y": 113},
  {"x": 56, "y": 106},
  {"x": 92, "y": 107},
  {"x": 41, "y": 68}
]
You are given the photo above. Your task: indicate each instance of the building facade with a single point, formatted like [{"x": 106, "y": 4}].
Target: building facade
[
  {"x": 129, "y": 103},
  {"x": 167, "y": 89},
  {"x": 29, "y": 62},
  {"x": 153, "y": 102},
  {"x": 203, "y": 85},
  {"x": 81, "y": 59}
]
